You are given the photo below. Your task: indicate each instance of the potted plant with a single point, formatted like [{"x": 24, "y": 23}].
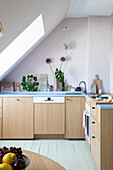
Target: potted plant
[
  {"x": 30, "y": 83},
  {"x": 58, "y": 75}
]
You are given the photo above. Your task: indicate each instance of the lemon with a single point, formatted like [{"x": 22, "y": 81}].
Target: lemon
[
  {"x": 9, "y": 158},
  {"x": 5, "y": 166}
]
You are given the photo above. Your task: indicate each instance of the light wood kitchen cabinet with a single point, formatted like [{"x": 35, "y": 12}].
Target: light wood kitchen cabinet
[
  {"x": 95, "y": 134},
  {"x": 95, "y": 141},
  {"x": 93, "y": 144},
  {"x": 102, "y": 137},
  {"x": 49, "y": 118},
  {"x": 75, "y": 107},
  {"x": 17, "y": 118}
]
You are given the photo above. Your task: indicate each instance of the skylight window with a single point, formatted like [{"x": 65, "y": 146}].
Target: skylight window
[{"x": 21, "y": 44}]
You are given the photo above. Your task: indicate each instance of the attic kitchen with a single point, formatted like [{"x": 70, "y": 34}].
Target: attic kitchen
[
  {"x": 58, "y": 112},
  {"x": 56, "y": 93},
  {"x": 60, "y": 115}
]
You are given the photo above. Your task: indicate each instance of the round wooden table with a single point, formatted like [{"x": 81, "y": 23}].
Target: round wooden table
[{"x": 39, "y": 162}]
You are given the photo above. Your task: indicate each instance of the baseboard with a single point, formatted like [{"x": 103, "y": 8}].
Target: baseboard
[{"x": 49, "y": 136}]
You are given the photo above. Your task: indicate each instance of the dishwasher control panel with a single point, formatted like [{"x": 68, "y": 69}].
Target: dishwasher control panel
[{"x": 49, "y": 99}]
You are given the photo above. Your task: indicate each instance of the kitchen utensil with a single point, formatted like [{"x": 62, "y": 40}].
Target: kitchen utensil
[
  {"x": 78, "y": 89},
  {"x": 93, "y": 88},
  {"x": 97, "y": 81},
  {"x": 100, "y": 91},
  {"x": 68, "y": 88},
  {"x": 63, "y": 86},
  {"x": 72, "y": 88}
]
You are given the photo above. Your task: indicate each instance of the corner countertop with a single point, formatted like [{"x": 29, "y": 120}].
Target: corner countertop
[
  {"x": 105, "y": 106},
  {"x": 54, "y": 94},
  {"x": 43, "y": 94}
]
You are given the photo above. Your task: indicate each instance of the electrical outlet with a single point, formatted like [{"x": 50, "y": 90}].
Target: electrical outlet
[{"x": 64, "y": 28}]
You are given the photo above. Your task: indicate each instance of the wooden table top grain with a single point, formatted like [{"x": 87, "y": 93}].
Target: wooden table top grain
[{"x": 39, "y": 162}]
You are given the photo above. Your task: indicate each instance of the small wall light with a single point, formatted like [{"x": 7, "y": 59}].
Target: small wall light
[
  {"x": 65, "y": 46},
  {"x": 1, "y": 30}
]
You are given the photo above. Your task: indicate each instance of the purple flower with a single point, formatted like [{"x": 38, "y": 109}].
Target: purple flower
[
  {"x": 62, "y": 59},
  {"x": 48, "y": 60}
]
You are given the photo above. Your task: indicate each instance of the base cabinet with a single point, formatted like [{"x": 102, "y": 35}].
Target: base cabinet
[
  {"x": 101, "y": 126},
  {"x": 1, "y": 129},
  {"x": 17, "y": 118},
  {"x": 95, "y": 143},
  {"x": 74, "y": 117},
  {"x": 49, "y": 118}
]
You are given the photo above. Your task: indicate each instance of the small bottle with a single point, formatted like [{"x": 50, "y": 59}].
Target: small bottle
[
  {"x": 100, "y": 91},
  {"x": 47, "y": 87},
  {"x": 50, "y": 88},
  {"x": 63, "y": 86}
]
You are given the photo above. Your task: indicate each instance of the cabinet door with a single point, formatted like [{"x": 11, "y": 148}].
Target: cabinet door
[
  {"x": 95, "y": 144},
  {"x": 17, "y": 118},
  {"x": 1, "y": 129},
  {"x": 98, "y": 146},
  {"x": 49, "y": 118},
  {"x": 74, "y": 117}
]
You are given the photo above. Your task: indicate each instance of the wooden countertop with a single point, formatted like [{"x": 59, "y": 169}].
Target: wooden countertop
[{"x": 100, "y": 102}]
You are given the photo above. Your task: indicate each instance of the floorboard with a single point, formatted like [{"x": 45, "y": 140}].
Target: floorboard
[{"x": 71, "y": 154}]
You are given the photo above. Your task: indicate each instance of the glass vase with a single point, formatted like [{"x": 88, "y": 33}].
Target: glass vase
[{"x": 55, "y": 84}]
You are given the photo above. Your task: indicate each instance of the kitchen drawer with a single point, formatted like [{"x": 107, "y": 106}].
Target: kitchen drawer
[
  {"x": 93, "y": 110},
  {"x": 0, "y": 102},
  {"x": 97, "y": 130},
  {"x": 98, "y": 114},
  {"x": 0, "y": 112},
  {"x": 93, "y": 144},
  {"x": 92, "y": 124},
  {"x": 1, "y": 129}
]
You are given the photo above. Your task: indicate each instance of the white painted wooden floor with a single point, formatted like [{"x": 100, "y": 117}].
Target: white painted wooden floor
[{"x": 71, "y": 154}]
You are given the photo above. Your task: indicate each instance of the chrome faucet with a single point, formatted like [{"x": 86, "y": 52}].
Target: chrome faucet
[{"x": 85, "y": 91}]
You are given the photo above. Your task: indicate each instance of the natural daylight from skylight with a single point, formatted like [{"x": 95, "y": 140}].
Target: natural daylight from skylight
[{"x": 21, "y": 44}]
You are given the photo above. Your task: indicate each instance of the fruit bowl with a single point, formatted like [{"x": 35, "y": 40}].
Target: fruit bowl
[
  {"x": 27, "y": 161},
  {"x": 13, "y": 158}
]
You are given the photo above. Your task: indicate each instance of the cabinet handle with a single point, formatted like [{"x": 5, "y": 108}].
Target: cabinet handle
[
  {"x": 93, "y": 122},
  {"x": 93, "y": 107},
  {"x": 93, "y": 136}
]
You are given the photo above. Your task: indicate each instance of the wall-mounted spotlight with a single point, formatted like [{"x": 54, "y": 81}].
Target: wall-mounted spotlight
[{"x": 65, "y": 46}]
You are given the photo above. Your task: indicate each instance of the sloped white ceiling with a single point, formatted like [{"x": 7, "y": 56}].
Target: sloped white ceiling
[
  {"x": 84, "y": 8},
  {"x": 17, "y": 15}
]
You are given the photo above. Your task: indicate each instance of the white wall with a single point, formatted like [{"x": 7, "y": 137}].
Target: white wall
[
  {"x": 99, "y": 48},
  {"x": 89, "y": 54},
  {"x": 75, "y": 67}
]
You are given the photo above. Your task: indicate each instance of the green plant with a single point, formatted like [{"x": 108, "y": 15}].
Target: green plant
[
  {"x": 30, "y": 83},
  {"x": 59, "y": 75}
]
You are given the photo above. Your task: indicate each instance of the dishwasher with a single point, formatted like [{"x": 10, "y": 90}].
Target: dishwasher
[{"x": 49, "y": 115}]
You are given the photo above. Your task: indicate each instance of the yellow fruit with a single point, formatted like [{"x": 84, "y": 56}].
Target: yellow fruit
[
  {"x": 5, "y": 166},
  {"x": 9, "y": 158}
]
